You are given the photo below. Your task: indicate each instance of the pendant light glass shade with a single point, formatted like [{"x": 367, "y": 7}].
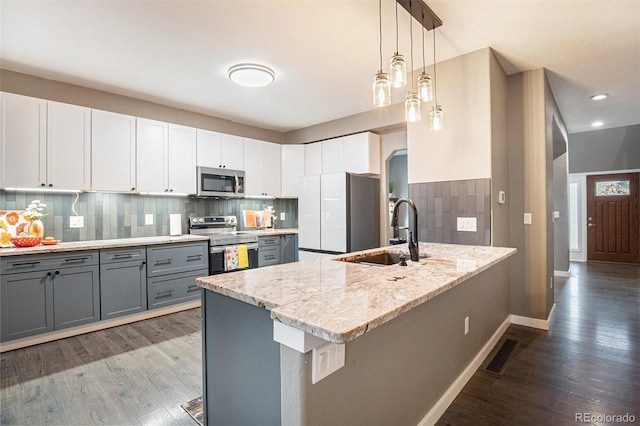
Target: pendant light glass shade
[
  {"x": 381, "y": 90},
  {"x": 398, "y": 71},
  {"x": 425, "y": 88},
  {"x": 411, "y": 107},
  {"x": 437, "y": 117}
]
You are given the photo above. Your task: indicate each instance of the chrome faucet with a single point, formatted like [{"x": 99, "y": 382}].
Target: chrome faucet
[{"x": 412, "y": 241}]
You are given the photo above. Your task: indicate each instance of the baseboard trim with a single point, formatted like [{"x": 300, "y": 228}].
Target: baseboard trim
[
  {"x": 533, "y": 322},
  {"x": 563, "y": 274},
  {"x": 100, "y": 325},
  {"x": 447, "y": 398}
]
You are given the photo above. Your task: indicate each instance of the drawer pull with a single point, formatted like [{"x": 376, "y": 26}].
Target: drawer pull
[
  {"x": 163, "y": 261},
  {"x": 194, "y": 257},
  {"x": 192, "y": 288},
  {"x": 76, "y": 259},
  {"x": 270, "y": 257},
  {"x": 161, "y": 294},
  {"x": 24, "y": 264},
  {"x": 123, "y": 256}
]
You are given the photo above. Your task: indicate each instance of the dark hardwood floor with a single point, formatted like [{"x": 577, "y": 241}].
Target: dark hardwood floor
[
  {"x": 589, "y": 362},
  {"x": 134, "y": 374}
]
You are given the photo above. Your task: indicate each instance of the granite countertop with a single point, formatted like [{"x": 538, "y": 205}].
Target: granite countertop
[
  {"x": 339, "y": 301},
  {"x": 269, "y": 231},
  {"x": 100, "y": 244}
]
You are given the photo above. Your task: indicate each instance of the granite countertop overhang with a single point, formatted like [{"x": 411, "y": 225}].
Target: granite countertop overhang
[
  {"x": 100, "y": 244},
  {"x": 338, "y": 301}
]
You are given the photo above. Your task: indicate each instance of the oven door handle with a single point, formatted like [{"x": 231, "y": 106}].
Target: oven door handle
[{"x": 221, "y": 249}]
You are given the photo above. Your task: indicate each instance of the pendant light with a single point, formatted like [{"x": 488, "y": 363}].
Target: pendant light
[
  {"x": 411, "y": 102},
  {"x": 398, "y": 68},
  {"x": 436, "y": 114},
  {"x": 381, "y": 84},
  {"x": 425, "y": 88}
]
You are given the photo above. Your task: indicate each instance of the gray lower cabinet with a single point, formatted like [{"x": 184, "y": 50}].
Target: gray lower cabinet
[
  {"x": 42, "y": 293},
  {"x": 172, "y": 272},
  {"x": 123, "y": 282},
  {"x": 277, "y": 249}
]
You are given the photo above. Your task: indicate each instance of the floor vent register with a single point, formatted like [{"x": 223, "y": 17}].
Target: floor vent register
[{"x": 499, "y": 361}]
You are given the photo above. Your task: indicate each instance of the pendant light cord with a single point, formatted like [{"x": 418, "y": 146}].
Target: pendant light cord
[
  {"x": 411, "y": 44},
  {"x": 424, "y": 67},
  {"x": 435, "y": 74},
  {"x": 380, "y": 34},
  {"x": 397, "y": 50}
]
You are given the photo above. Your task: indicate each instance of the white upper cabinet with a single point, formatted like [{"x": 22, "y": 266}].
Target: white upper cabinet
[
  {"x": 362, "y": 153},
  {"x": 292, "y": 162},
  {"x": 333, "y": 156},
  {"x": 262, "y": 168},
  {"x": 152, "y": 146},
  {"x": 313, "y": 159},
  {"x": 182, "y": 159},
  {"x": 44, "y": 144},
  {"x": 219, "y": 150},
  {"x": 23, "y": 153},
  {"x": 68, "y": 146},
  {"x": 113, "y": 153}
]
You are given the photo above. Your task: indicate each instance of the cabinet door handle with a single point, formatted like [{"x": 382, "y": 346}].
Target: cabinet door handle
[
  {"x": 144, "y": 263},
  {"x": 192, "y": 288},
  {"x": 49, "y": 274},
  {"x": 167, "y": 293},
  {"x": 57, "y": 272}
]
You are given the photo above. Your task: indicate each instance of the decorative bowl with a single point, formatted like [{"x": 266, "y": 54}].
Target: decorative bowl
[
  {"x": 26, "y": 241},
  {"x": 50, "y": 242}
]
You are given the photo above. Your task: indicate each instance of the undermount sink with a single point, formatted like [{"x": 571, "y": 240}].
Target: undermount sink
[{"x": 378, "y": 259}]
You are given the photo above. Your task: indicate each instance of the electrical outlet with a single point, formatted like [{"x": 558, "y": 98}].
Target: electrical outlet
[
  {"x": 148, "y": 219},
  {"x": 282, "y": 216},
  {"x": 466, "y": 326},
  {"x": 527, "y": 218},
  {"x": 467, "y": 224},
  {"x": 76, "y": 222},
  {"x": 326, "y": 360}
]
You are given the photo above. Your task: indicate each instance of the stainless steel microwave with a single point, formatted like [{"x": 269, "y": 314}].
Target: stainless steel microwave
[{"x": 224, "y": 183}]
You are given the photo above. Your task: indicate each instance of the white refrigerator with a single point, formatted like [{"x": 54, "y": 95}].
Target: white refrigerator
[{"x": 339, "y": 212}]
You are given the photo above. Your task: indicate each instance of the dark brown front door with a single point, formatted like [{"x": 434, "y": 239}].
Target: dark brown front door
[{"x": 613, "y": 227}]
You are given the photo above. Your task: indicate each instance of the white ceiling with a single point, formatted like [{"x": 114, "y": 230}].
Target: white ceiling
[{"x": 325, "y": 52}]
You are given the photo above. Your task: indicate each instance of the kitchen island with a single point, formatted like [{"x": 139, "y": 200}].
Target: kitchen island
[{"x": 401, "y": 330}]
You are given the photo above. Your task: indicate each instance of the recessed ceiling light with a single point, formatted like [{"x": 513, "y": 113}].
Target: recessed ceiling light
[
  {"x": 251, "y": 75},
  {"x": 597, "y": 123},
  {"x": 599, "y": 97}
]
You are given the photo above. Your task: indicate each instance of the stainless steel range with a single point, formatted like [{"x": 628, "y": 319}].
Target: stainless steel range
[{"x": 222, "y": 233}]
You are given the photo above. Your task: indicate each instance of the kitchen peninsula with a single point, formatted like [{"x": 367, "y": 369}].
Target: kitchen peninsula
[{"x": 407, "y": 333}]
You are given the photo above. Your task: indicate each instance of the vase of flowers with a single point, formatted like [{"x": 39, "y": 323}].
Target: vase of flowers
[{"x": 34, "y": 214}]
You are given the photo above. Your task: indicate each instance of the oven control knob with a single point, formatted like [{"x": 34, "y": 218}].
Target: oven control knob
[{"x": 201, "y": 220}]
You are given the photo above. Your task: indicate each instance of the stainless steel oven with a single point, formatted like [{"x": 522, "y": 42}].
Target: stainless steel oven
[{"x": 222, "y": 233}]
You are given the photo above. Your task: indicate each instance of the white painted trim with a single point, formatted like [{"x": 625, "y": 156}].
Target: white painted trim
[
  {"x": 100, "y": 325},
  {"x": 605, "y": 172},
  {"x": 295, "y": 338},
  {"x": 533, "y": 322},
  {"x": 563, "y": 274},
  {"x": 447, "y": 398}
]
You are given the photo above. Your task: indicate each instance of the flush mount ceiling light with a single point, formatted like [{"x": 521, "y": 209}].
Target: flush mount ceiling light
[
  {"x": 597, "y": 123},
  {"x": 251, "y": 75},
  {"x": 599, "y": 97}
]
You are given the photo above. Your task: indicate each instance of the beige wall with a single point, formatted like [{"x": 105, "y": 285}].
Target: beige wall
[
  {"x": 462, "y": 150},
  {"x": 24, "y": 84}
]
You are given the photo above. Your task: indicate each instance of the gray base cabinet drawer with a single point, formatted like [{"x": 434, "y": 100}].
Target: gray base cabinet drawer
[
  {"x": 123, "y": 289},
  {"x": 40, "y": 262},
  {"x": 268, "y": 256},
  {"x": 176, "y": 258},
  {"x": 122, "y": 255},
  {"x": 269, "y": 241},
  {"x": 171, "y": 289}
]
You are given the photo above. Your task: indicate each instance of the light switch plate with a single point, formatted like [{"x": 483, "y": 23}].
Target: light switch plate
[
  {"x": 148, "y": 219},
  {"x": 282, "y": 216},
  {"x": 76, "y": 222},
  {"x": 527, "y": 218}
]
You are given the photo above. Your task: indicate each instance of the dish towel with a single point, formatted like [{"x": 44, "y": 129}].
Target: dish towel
[
  {"x": 243, "y": 257},
  {"x": 230, "y": 258}
]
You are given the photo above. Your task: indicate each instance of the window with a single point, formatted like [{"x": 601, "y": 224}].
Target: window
[
  {"x": 574, "y": 219},
  {"x": 615, "y": 187}
]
